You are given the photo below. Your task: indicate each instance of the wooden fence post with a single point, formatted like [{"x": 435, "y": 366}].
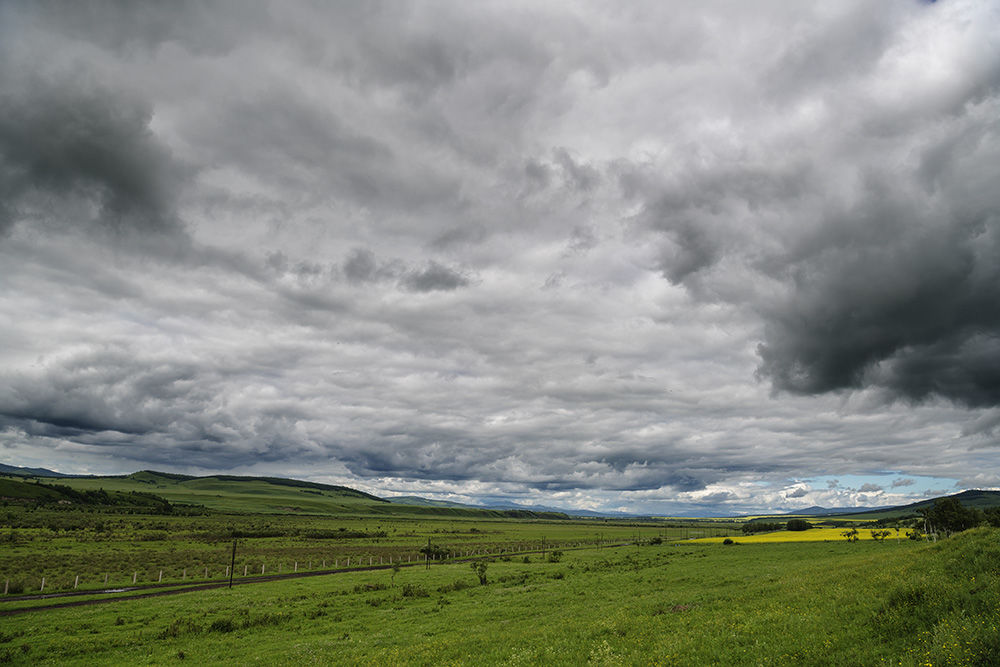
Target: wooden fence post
[
  {"x": 76, "y": 582},
  {"x": 42, "y": 587}
]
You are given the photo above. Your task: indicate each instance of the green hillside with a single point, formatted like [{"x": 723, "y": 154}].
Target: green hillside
[
  {"x": 261, "y": 495},
  {"x": 257, "y": 495},
  {"x": 49, "y": 491}
]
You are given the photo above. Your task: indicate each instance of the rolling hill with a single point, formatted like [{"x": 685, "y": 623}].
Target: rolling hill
[{"x": 251, "y": 495}]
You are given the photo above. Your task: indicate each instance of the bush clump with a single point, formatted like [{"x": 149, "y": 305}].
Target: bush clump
[
  {"x": 457, "y": 585},
  {"x": 222, "y": 625},
  {"x": 414, "y": 591}
]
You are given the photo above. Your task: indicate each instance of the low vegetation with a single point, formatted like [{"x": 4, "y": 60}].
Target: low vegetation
[
  {"x": 486, "y": 589},
  {"x": 687, "y": 604}
]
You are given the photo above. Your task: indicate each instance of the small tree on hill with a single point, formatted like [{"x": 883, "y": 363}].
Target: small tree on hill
[
  {"x": 851, "y": 535},
  {"x": 479, "y": 567}
]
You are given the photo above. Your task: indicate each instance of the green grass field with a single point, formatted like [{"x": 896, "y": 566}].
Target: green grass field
[
  {"x": 62, "y": 544},
  {"x": 665, "y": 597},
  {"x": 795, "y": 603}
]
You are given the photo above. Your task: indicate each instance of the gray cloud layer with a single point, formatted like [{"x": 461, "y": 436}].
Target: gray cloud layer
[{"x": 615, "y": 258}]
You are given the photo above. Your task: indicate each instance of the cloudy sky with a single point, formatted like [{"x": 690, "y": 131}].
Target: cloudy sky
[{"x": 661, "y": 257}]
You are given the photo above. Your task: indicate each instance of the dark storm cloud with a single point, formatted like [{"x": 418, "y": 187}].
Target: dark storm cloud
[
  {"x": 896, "y": 297},
  {"x": 66, "y": 141}
]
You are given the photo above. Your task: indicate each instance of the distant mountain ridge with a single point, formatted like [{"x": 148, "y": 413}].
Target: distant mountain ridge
[
  {"x": 816, "y": 510},
  {"x": 505, "y": 507},
  {"x": 30, "y": 472}
]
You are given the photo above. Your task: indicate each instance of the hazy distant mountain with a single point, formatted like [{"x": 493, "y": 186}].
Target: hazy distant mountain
[
  {"x": 36, "y": 472},
  {"x": 546, "y": 508},
  {"x": 427, "y": 502},
  {"x": 816, "y": 510}
]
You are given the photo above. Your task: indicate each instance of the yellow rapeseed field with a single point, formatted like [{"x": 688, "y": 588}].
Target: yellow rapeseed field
[{"x": 811, "y": 535}]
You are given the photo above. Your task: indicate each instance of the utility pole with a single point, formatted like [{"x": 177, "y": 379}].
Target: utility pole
[{"x": 232, "y": 566}]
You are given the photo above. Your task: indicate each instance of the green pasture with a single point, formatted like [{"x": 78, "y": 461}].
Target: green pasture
[
  {"x": 864, "y": 603},
  {"x": 86, "y": 549}
]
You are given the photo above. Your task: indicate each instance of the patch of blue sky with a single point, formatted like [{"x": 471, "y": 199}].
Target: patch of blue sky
[{"x": 889, "y": 481}]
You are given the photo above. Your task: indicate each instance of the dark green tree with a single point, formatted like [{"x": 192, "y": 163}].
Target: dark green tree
[
  {"x": 798, "y": 524},
  {"x": 948, "y": 515}
]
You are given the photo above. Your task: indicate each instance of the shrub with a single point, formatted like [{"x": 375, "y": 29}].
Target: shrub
[
  {"x": 728, "y": 541},
  {"x": 760, "y": 527},
  {"x": 479, "y": 567},
  {"x": 457, "y": 585},
  {"x": 222, "y": 625},
  {"x": 363, "y": 588},
  {"x": 414, "y": 591},
  {"x": 798, "y": 524},
  {"x": 555, "y": 556}
]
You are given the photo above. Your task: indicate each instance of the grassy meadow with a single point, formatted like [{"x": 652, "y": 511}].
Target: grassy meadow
[
  {"x": 78, "y": 547},
  {"x": 557, "y": 591},
  {"x": 831, "y": 603}
]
